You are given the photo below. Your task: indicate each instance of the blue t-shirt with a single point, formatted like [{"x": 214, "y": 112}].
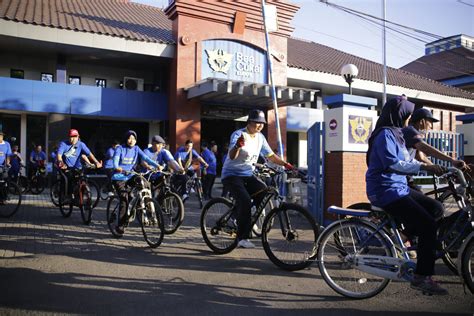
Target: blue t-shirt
[
  {"x": 5, "y": 151},
  {"x": 243, "y": 165},
  {"x": 71, "y": 154},
  {"x": 37, "y": 156},
  {"x": 210, "y": 158},
  {"x": 383, "y": 185},
  {"x": 412, "y": 137},
  {"x": 109, "y": 158},
  {"x": 126, "y": 157},
  {"x": 162, "y": 157},
  {"x": 183, "y": 155},
  {"x": 15, "y": 161}
]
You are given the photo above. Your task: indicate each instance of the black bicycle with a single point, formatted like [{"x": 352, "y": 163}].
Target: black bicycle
[
  {"x": 170, "y": 202},
  {"x": 81, "y": 194},
  {"x": 140, "y": 206},
  {"x": 193, "y": 184},
  {"x": 289, "y": 232},
  {"x": 10, "y": 195}
]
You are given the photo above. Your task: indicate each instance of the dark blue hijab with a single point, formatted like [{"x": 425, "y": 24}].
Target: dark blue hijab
[{"x": 394, "y": 113}]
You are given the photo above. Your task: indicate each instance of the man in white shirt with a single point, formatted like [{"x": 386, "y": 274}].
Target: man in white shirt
[{"x": 245, "y": 146}]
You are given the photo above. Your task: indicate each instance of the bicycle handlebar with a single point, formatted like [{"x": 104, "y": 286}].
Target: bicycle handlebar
[{"x": 458, "y": 174}]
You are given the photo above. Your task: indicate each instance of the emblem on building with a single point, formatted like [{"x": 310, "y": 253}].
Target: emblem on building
[
  {"x": 219, "y": 60},
  {"x": 360, "y": 129}
]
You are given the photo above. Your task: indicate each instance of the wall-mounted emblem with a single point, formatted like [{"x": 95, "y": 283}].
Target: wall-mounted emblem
[
  {"x": 360, "y": 128},
  {"x": 219, "y": 60}
]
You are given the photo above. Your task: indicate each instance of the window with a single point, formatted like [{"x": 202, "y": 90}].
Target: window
[
  {"x": 101, "y": 82},
  {"x": 46, "y": 77},
  {"x": 17, "y": 73},
  {"x": 75, "y": 80}
]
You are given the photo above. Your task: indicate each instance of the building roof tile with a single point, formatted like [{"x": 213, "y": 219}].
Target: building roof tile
[
  {"x": 109, "y": 17},
  {"x": 316, "y": 57}
]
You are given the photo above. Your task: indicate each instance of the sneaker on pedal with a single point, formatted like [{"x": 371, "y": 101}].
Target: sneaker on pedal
[
  {"x": 427, "y": 285},
  {"x": 245, "y": 243},
  {"x": 185, "y": 197}
]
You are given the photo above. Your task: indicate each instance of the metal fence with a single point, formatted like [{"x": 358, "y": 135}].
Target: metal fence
[{"x": 450, "y": 143}]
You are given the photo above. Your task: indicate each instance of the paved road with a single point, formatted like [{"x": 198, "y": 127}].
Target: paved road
[{"x": 50, "y": 264}]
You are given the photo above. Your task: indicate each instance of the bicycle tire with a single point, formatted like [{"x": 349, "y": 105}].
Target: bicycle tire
[
  {"x": 23, "y": 184},
  {"x": 289, "y": 237},
  {"x": 54, "y": 193},
  {"x": 65, "y": 207},
  {"x": 151, "y": 221},
  {"x": 467, "y": 266},
  {"x": 95, "y": 193},
  {"x": 221, "y": 237},
  {"x": 343, "y": 263},
  {"x": 13, "y": 199},
  {"x": 112, "y": 215},
  {"x": 172, "y": 209},
  {"x": 85, "y": 204},
  {"x": 199, "y": 192},
  {"x": 104, "y": 190},
  {"x": 37, "y": 184}
]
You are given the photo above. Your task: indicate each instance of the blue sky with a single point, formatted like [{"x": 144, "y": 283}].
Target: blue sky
[{"x": 317, "y": 22}]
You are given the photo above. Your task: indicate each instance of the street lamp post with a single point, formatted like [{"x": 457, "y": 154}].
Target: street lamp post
[{"x": 349, "y": 72}]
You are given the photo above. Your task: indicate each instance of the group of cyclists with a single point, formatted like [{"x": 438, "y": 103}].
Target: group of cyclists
[{"x": 396, "y": 149}]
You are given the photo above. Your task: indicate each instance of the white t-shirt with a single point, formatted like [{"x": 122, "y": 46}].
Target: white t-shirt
[{"x": 242, "y": 166}]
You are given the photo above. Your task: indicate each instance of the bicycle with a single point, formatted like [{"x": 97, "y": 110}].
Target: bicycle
[
  {"x": 289, "y": 233},
  {"x": 37, "y": 182},
  {"x": 193, "y": 183},
  {"x": 55, "y": 189},
  {"x": 141, "y": 206},
  {"x": 10, "y": 195},
  {"x": 81, "y": 194},
  {"x": 358, "y": 257},
  {"x": 21, "y": 181},
  {"x": 171, "y": 204}
]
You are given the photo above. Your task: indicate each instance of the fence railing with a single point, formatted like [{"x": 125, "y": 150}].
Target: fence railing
[{"x": 450, "y": 143}]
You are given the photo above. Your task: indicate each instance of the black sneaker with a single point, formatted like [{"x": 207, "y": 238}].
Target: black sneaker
[
  {"x": 119, "y": 230},
  {"x": 427, "y": 286}
]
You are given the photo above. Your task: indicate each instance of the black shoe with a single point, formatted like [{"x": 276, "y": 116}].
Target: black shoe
[
  {"x": 427, "y": 286},
  {"x": 120, "y": 230}
]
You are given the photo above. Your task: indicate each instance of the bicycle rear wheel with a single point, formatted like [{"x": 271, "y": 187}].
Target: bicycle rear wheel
[
  {"x": 37, "y": 184},
  {"x": 289, "y": 237},
  {"x": 338, "y": 246},
  {"x": 113, "y": 215},
  {"x": 11, "y": 199},
  {"x": 218, "y": 227},
  {"x": 173, "y": 211},
  {"x": 85, "y": 204},
  {"x": 151, "y": 221},
  {"x": 467, "y": 266}
]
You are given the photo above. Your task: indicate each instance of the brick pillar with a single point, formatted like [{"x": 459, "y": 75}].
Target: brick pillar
[{"x": 348, "y": 124}]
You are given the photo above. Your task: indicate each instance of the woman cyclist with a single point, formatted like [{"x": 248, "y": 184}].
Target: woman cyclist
[{"x": 388, "y": 164}]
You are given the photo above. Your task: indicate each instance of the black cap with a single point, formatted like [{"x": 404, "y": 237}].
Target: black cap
[
  {"x": 2, "y": 133},
  {"x": 423, "y": 113},
  {"x": 257, "y": 116},
  {"x": 158, "y": 139}
]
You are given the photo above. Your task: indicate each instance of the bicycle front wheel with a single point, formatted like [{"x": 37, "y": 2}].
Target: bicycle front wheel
[
  {"x": 113, "y": 213},
  {"x": 54, "y": 193},
  {"x": 85, "y": 204},
  {"x": 289, "y": 237},
  {"x": 151, "y": 221},
  {"x": 467, "y": 266},
  {"x": 94, "y": 191},
  {"x": 218, "y": 226},
  {"x": 37, "y": 184},
  {"x": 173, "y": 211},
  {"x": 10, "y": 198},
  {"x": 199, "y": 192},
  {"x": 65, "y": 203},
  {"x": 338, "y": 246}
]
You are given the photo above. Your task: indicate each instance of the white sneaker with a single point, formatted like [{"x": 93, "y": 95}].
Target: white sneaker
[
  {"x": 185, "y": 197},
  {"x": 110, "y": 194},
  {"x": 245, "y": 243}
]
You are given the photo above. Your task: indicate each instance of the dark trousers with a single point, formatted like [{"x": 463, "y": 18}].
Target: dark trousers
[
  {"x": 419, "y": 214},
  {"x": 207, "y": 184},
  {"x": 122, "y": 190},
  {"x": 179, "y": 181},
  {"x": 109, "y": 172},
  {"x": 241, "y": 189}
]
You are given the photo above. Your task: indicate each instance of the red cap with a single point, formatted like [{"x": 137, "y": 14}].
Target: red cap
[{"x": 73, "y": 133}]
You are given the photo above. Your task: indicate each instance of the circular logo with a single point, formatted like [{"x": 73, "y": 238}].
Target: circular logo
[{"x": 333, "y": 124}]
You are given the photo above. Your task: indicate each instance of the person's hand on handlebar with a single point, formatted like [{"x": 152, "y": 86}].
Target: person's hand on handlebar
[
  {"x": 436, "y": 169},
  {"x": 289, "y": 166},
  {"x": 119, "y": 170},
  {"x": 460, "y": 164}
]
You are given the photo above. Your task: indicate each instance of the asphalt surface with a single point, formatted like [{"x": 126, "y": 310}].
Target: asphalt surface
[{"x": 55, "y": 265}]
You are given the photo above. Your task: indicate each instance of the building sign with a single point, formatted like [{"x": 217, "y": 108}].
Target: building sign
[
  {"x": 225, "y": 59},
  {"x": 360, "y": 128}
]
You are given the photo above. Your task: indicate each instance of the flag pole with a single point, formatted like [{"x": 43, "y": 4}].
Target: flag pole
[{"x": 272, "y": 83}]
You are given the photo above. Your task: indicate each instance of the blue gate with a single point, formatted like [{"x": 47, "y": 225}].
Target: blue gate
[
  {"x": 316, "y": 147},
  {"x": 449, "y": 143}
]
